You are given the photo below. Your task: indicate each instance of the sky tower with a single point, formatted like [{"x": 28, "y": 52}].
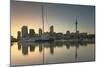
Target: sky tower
[{"x": 76, "y": 23}]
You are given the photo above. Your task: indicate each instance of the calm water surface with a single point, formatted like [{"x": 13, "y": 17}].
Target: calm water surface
[{"x": 51, "y": 52}]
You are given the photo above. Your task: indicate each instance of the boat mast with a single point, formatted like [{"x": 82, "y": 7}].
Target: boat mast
[
  {"x": 43, "y": 32},
  {"x": 42, "y": 19}
]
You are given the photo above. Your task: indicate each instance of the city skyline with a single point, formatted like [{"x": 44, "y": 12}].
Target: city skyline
[
  {"x": 30, "y": 33},
  {"x": 49, "y": 33},
  {"x": 63, "y": 17}
]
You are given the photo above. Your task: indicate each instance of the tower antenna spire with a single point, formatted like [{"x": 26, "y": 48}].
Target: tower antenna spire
[{"x": 76, "y": 23}]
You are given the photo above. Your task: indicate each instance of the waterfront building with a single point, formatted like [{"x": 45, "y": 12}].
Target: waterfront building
[
  {"x": 51, "y": 29},
  {"x": 40, "y": 31},
  {"x": 18, "y": 35},
  {"x": 31, "y": 33},
  {"x": 24, "y": 31}
]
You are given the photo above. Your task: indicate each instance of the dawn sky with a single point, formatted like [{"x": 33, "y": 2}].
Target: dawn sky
[{"x": 63, "y": 17}]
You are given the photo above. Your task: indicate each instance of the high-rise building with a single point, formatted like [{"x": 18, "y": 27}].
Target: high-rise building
[
  {"x": 51, "y": 29},
  {"x": 18, "y": 35},
  {"x": 40, "y": 31},
  {"x": 68, "y": 32},
  {"x": 77, "y": 32},
  {"x": 31, "y": 33},
  {"x": 24, "y": 30}
]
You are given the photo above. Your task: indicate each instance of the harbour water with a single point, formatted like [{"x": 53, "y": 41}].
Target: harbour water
[{"x": 51, "y": 52}]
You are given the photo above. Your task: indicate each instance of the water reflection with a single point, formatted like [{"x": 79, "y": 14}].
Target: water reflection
[
  {"x": 51, "y": 45},
  {"x": 54, "y": 52}
]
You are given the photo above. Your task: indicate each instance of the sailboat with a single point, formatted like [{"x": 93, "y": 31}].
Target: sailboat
[{"x": 43, "y": 38}]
